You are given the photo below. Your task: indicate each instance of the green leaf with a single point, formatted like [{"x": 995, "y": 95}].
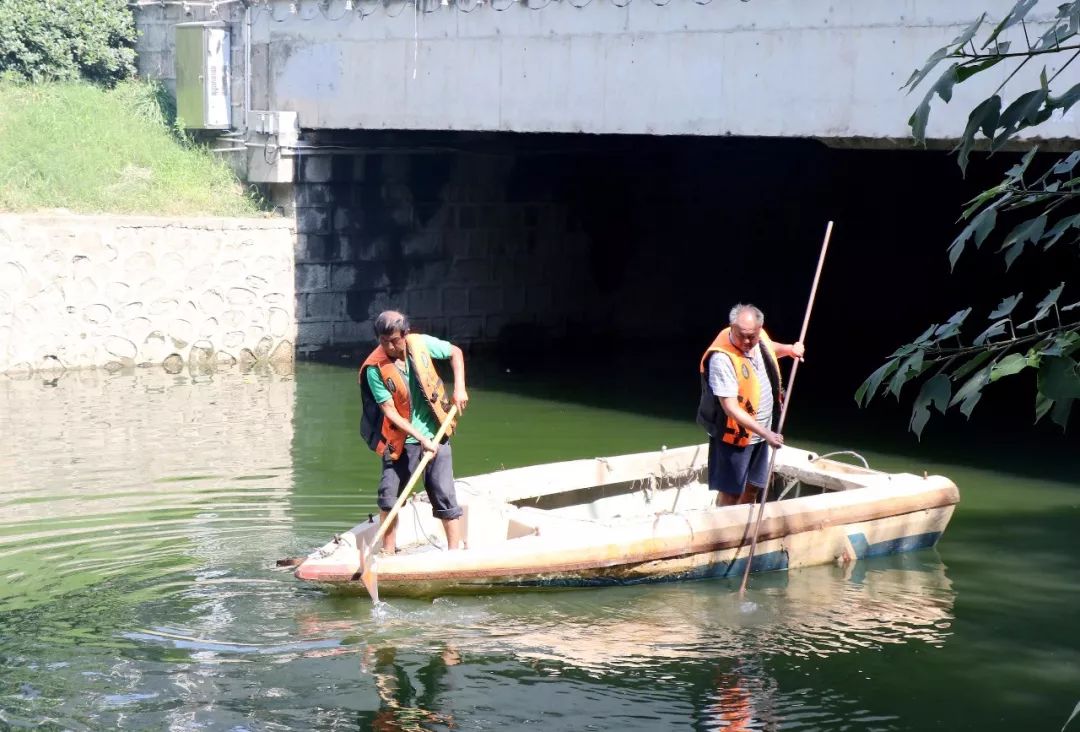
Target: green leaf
[
  {"x": 1024, "y": 232},
  {"x": 968, "y": 69},
  {"x": 1070, "y": 341},
  {"x": 1051, "y": 237},
  {"x": 1015, "y": 15},
  {"x": 926, "y": 335},
  {"x": 1017, "y": 171},
  {"x": 980, "y": 226},
  {"x": 936, "y": 391},
  {"x": 1050, "y": 299},
  {"x": 904, "y": 350},
  {"x": 978, "y": 360},
  {"x": 970, "y": 393},
  {"x": 908, "y": 370},
  {"x": 994, "y": 330},
  {"x": 1053, "y": 37},
  {"x": 1014, "y": 363},
  {"x": 1059, "y": 378},
  {"x": 968, "y": 33},
  {"x": 951, "y": 327},
  {"x": 1001, "y": 189},
  {"x": 1042, "y": 406},
  {"x": 1044, "y": 307},
  {"x": 1066, "y": 100},
  {"x": 1064, "y": 167},
  {"x": 1006, "y": 306},
  {"x": 1070, "y": 11},
  {"x": 1059, "y": 413},
  {"x": 1024, "y": 111},
  {"x": 1056, "y": 345},
  {"x": 919, "y": 74},
  {"x": 869, "y": 387},
  {"x": 943, "y": 88},
  {"x": 986, "y": 225},
  {"x": 983, "y": 117}
]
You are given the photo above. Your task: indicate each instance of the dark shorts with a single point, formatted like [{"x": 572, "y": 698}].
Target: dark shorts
[
  {"x": 731, "y": 468},
  {"x": 438, "y": 480}
]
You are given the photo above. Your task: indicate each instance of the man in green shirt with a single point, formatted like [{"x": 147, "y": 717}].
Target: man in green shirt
[{"x": 404, "y": 403}]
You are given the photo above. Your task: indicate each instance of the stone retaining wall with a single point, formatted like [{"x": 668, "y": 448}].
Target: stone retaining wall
[{"x": 119, "y": 291}]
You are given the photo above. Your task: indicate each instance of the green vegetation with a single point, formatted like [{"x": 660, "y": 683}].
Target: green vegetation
[
  {"x": 45, "y": 40},
  {"x": 1040, "y": 208},
  {"x": 87, "y": 149}
]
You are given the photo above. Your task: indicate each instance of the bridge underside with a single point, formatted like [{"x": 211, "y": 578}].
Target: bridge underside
[
  {"x": 788, "y": 68},
  {"x": 509, "y": 240}
]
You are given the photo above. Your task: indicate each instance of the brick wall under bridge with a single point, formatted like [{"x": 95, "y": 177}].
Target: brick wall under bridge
[
  {"x": 450, "y": 237},
  {"x": 519, "y": 241}
]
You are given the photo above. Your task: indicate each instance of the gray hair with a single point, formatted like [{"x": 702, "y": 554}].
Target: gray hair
[
  {"x": 759, "y": 317},
  {"x": 390, "y": 321}
]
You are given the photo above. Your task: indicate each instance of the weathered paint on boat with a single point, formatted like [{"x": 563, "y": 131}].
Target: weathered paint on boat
[{"x": 646, "y": 517}]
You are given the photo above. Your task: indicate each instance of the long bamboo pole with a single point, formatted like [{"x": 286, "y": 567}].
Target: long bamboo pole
[{"x": 784, "y": 410}]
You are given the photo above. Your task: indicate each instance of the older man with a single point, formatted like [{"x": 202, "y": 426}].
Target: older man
[
  {"x": 404, "y": 404},
  {"x": 740, "y": 404}
]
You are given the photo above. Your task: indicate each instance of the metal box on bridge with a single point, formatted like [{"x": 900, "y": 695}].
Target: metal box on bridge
[{"x": 202, "y": 76}]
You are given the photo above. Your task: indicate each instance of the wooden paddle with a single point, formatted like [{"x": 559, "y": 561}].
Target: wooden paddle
[
  {"x": 368, "y": 575},
  {"x": 783, "y": 410}
]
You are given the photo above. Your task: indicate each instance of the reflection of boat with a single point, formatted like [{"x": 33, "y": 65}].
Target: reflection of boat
[
  {"x": 813, "y": 612},
  {"x": 640, "y": 518}
]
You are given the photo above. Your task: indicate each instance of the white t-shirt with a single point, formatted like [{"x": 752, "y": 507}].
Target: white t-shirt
[{"x": 723, "y": 383}]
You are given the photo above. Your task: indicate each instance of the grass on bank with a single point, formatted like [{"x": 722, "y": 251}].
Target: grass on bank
[{"x": 92, "y": 150}]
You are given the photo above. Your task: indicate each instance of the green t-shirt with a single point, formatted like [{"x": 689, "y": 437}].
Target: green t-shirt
[{"x": 423, "y": 419}]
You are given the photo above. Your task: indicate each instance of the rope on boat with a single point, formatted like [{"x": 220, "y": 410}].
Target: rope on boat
[
  {"x": 322, "y": 552},
  {"x": 845, "y": 452},
  {"x": 420, "y": 527},
  {"x": 788, "y": 485}
]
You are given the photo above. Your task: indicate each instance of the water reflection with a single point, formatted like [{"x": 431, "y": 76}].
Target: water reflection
[
  {"x": 809, "y": 613},
  {"x": 108, "y": 475},
  {"x": 647, "y": 653},
  {"x": 140, "y": 515},
  {"x": 405, "y": 704}
]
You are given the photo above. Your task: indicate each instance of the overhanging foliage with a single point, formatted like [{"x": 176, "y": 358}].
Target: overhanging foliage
[{"x": 1043, "y": 208}]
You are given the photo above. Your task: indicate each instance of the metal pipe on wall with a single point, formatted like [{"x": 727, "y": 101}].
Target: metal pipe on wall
[{"x": 247, "y": 65}]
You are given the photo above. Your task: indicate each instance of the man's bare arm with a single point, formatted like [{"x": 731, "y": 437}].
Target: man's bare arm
[
  {"x": 748, "y": 423},
  {"x": 457, "y": 364},
  {"x": 406, "y": 426}
]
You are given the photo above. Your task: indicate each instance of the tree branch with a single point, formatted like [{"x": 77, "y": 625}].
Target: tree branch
[
  {"x": 936, "y": 354},
  {"x": 1010, "y": 76},
  {"x": 1027, "y": 54},
  {"x": 1063, "y": 67}
]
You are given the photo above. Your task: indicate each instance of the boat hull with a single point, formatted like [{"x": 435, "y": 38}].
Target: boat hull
[{"x": 538, "y": 549}]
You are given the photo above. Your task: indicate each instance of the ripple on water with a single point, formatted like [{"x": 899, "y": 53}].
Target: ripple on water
[{"x": 137, "y": 540}]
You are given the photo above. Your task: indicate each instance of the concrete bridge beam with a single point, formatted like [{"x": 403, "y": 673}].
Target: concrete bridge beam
[{"x": 786, "y": 68}]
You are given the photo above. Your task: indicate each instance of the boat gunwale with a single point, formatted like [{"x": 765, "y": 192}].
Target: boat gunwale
[{"x": 772, "y": 527}]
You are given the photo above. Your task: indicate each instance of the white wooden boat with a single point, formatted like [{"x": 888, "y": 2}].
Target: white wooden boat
[{"x": 646, "y": 517}]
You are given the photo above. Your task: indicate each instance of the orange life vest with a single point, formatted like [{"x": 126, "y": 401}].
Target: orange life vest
[
  {"x": 379, "y": 432},
  {"x": 711, "y": 415}
]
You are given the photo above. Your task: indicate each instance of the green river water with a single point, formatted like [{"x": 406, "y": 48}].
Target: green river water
[{"x": 141, "y": 514}]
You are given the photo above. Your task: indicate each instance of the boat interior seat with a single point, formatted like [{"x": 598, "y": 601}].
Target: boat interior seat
[
  {"x": 529, "y": 521},
  {"x": 486, "y": 522}
]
